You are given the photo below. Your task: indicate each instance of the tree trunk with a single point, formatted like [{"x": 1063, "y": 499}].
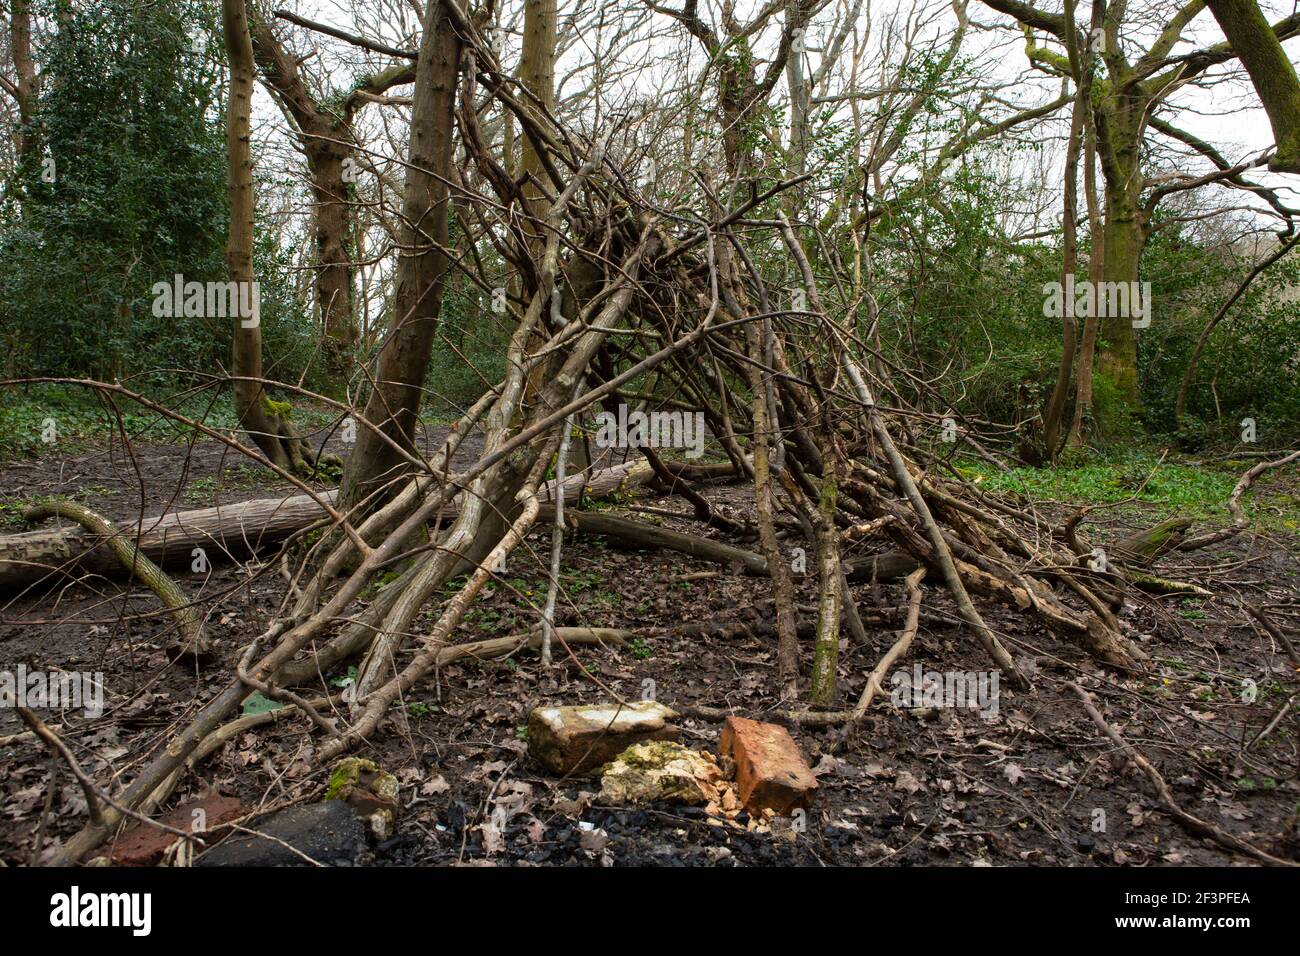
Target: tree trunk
[
  {"x": 537, "y": 74},
  {"x": 1069, "y": 263},
  {"x": 800, "y": 125},
  {"x": 327, "y": 142},
  {"x": 1271, "y": 72},
  {"x": 826, "y": 649},
  {"x": 224, "y": 532},
  {"x": 394, "y": 403},
  {"x": 331, "y": 225},
  {"x": 237, "y": 530},
  {"x": 1119, "y": 115},
  {"x": 267, "y": 426},
  {"x": 20, "y": 24},
  {"x": 1081, "y": 424},
  {"x": 1125, "y": 236}
]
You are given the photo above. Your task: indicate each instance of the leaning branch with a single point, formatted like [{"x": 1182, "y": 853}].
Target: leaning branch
[{"x": 136, "y": 564}]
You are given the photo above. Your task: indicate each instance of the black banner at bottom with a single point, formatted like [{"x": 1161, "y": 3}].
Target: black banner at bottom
[{"x": 144, "y": 906}]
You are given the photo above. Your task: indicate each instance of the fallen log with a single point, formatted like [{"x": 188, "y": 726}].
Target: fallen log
[
  {"x": 889, "y": 566},
  {"x": 1143, "y": 548},
  {"x": 230, "y": 531},
  {"x": 645, "y": 534},
  {"x": 224, "y": 532}
]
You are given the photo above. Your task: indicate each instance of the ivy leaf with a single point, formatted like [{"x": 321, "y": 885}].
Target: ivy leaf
[{"x": 257, "y": 703}]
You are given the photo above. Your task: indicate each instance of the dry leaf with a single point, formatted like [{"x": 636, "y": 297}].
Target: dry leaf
[
  {"x": 907, "y": 781},
  {"x": 434, "y": 785}
]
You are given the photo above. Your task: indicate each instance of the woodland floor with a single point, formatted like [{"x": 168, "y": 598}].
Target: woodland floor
[{"x": 1021, "y": 788}]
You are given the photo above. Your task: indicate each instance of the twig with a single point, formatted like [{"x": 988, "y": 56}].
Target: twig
[
  {"x": 1275, "y": 632},
  {"x": 363, "y": 42},
  {"x": 1234, "y": 504},
  {"x": 94, "y": 794},
  {"x": 1193, "y": 823},
  {"x": 1272, "y": 724},
  {"x": 52, "y": 740},
  {"x": 266, "y": 836},
  {"x": 39, "y": 840},
  {"x": 557, "y": 544},
  {"x": 827, "y": 718}
]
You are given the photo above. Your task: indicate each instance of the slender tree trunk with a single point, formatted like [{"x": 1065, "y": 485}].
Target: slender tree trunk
[
  {"x": 1180, "y": 403},
  {"x": 734, "y": 83},
  {"x": 787, "y": 652},
  {"x": 394, "y": 402},
  {"x": 20, "y": 26},
  {"x": 327, "y": 142},
  {"x": 832, "y": 591},
  {"x": 1069, "y": 263},
  {"x": 331, "y": 226},
  {"x": 1081, "y": 426},
  {"x": 800, "y": 126},
  {"x": 268, "y": 428},
  {"x": 537, "y": 73}
]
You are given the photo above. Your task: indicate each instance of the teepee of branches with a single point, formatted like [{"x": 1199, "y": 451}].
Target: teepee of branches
[{"x": 616, "y": 287}]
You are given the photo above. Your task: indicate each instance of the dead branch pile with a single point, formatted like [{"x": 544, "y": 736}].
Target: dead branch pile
[{"x": 714, "y": 300}]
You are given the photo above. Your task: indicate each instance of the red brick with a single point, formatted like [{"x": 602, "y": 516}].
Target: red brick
[
  {"x": 143, "y": 845},
  {"x": 771, "y": 773}
]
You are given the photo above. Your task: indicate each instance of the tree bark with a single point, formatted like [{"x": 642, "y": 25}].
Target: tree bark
[
  {"x": 826, "y": 649},
  {"x": 1055, "y": 410},
  {"x": 1125, "y": 236},
  {"x": 394, "y": 402},
  {"x": 537, "y": 74},
  {"x": 20, "y": 39},
  {"x": 266, "y": 425},
  {"x": 1271, "y": 72},
  {"x": 328, "y": 142},
  {"x": 1081, "y": 425},
  {"x": 224, "y": 532}
]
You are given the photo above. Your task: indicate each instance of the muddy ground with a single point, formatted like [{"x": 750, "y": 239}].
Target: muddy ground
[{"x": 1035, "y": 783}]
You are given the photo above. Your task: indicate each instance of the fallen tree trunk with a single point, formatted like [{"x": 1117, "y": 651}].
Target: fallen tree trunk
[
  {"x": 235, "y": 531},
  {"x": 889, "y": 566},
  {"x": 1144, "y": 548},
  {"x": 229, "y": 532},
  {"x": 645, "y": 534}
]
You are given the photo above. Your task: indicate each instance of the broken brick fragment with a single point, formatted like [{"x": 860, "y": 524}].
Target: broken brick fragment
[
  {"x": 144, "y": 845},
  {"x": 771, "y": 773}
]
